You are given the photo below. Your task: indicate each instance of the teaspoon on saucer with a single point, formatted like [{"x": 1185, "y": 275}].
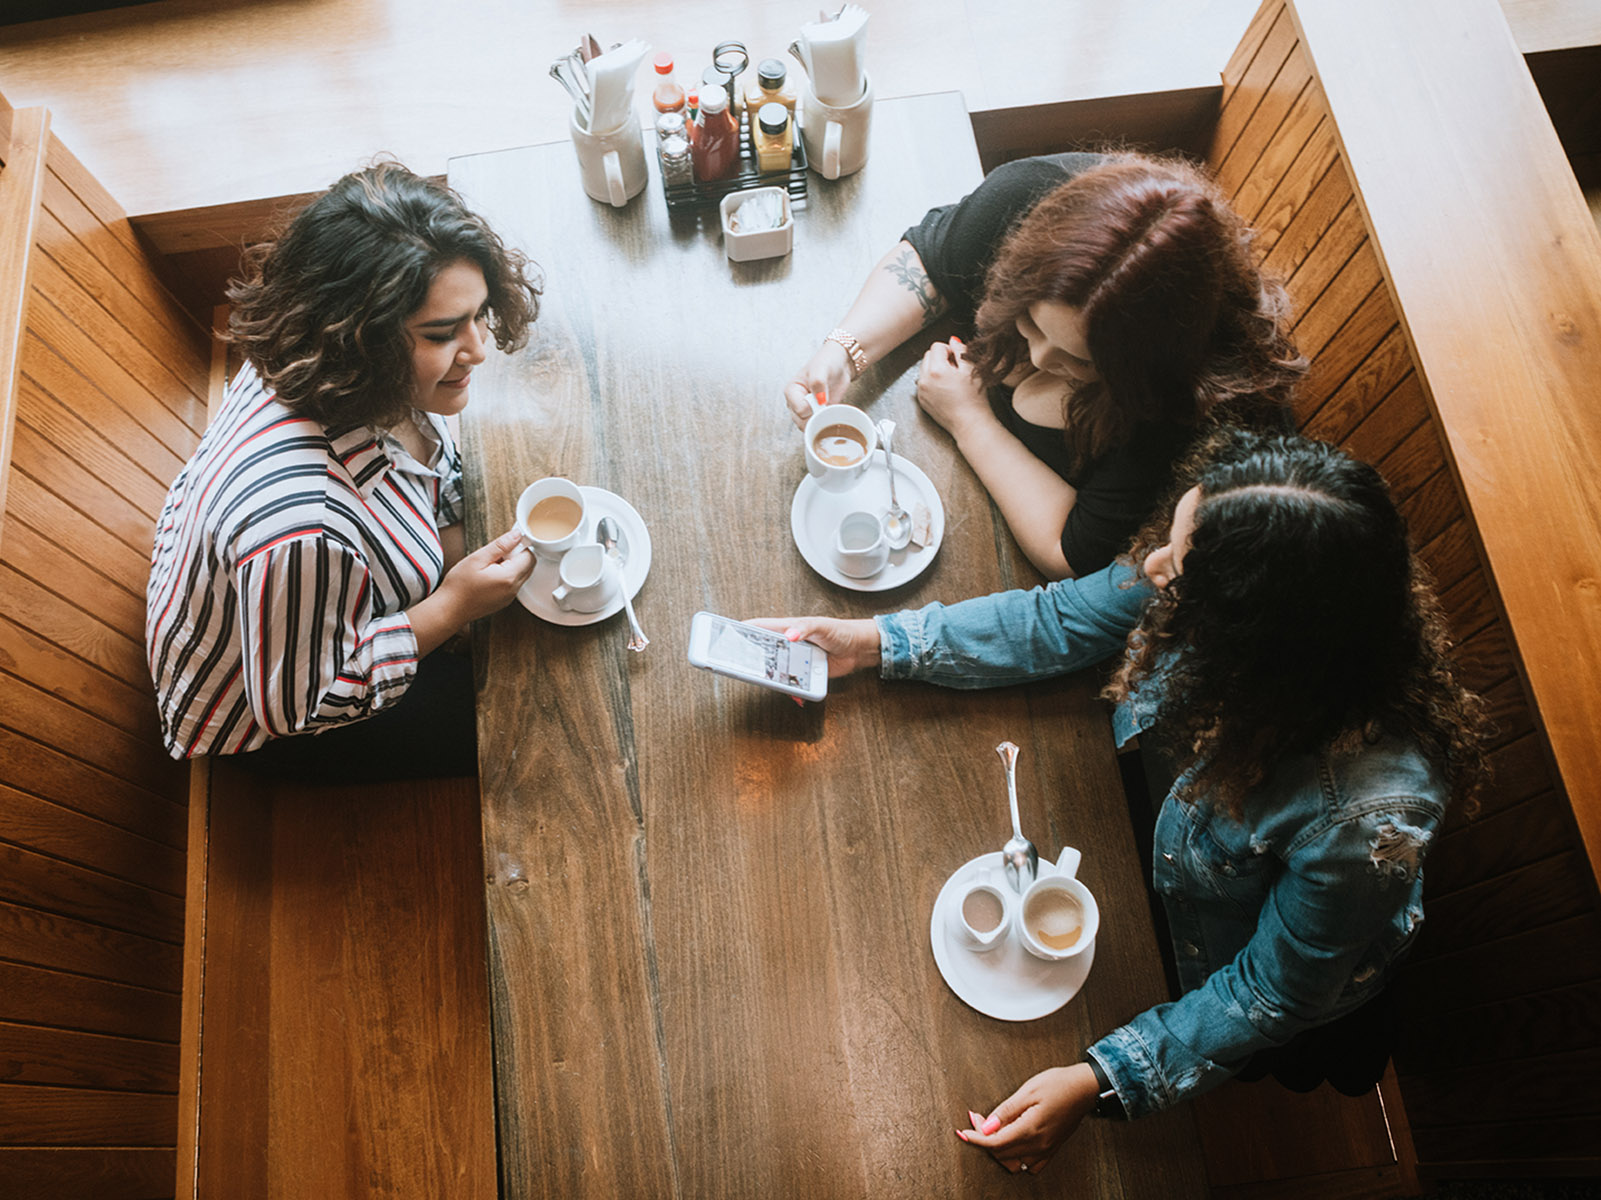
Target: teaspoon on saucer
[
  {"x": 606, "y": 532},
  {"x": 1020, "y": 859},
  {"x": 897, "y": 523}
]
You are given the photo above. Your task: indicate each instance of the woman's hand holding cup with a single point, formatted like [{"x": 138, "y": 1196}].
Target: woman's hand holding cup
[
  {"x": 827, "y": 372},
  {"x": 483, "y": 582},
  {"x": 850, "y": 645}
]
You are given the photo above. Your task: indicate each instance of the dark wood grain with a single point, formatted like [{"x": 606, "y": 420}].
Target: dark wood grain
[
  {"x": 708, "y": 908},
  {"x": 77, "y": 785},
  {"x": 36, "y": 996},
  {"x": 60, "y": 831},
  {"x": 55, "y": 886},
  {"x": 33, "y": 1054},
  {"x": 1545, "y": 958},
  {"x": 60, "y": 943},
  {"x": 47, "y": 1116},
  {"x": 70, "y": 1173}
]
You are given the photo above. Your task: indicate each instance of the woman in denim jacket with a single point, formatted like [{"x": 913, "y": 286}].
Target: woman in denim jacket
[{"x": 1285, "y": 653}]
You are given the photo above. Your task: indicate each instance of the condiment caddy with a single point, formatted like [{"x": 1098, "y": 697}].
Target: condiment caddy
[{"x": 703, "y": 195}]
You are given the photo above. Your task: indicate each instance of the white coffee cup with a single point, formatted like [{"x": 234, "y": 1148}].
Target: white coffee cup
[
  {"x": 860, "y": 548},
  {"x": 611, "y": 164},
  {"x": 974, "y": 938},
  {"x": 589, "y": 579},
  {"x": 836, "y": 136},
  {"x": 839, "y": 477},
  {"x": 549, "y": 537},
  {"x": 1058, "y": 897}
]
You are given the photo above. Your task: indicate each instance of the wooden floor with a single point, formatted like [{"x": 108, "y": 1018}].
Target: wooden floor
[{"x": 183, "y": 104}]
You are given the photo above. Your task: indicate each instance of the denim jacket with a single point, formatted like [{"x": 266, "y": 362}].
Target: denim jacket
[{"x": 1280, "y": 922}]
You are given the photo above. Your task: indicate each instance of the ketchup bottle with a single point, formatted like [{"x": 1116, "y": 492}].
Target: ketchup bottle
[{"x": 716, "y": 142}]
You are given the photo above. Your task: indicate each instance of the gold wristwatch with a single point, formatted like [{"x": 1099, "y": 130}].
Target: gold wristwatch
[{"x": 853, "y": 350}]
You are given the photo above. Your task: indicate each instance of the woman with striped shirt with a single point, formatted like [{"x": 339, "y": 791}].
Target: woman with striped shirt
[{"x": 310, "y": 554}]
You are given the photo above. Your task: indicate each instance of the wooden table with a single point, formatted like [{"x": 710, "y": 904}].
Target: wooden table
[{"x": 708, "y": 908}]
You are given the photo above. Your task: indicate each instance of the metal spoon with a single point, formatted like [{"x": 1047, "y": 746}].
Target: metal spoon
[
  {"x": 606, "y": 532},
  {"x": 897, "y": 525},
  {"x": 1018, "y": 856}
]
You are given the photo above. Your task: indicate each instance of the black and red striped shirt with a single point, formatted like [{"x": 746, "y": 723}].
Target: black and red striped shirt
[{"x": 286, "y": 556}]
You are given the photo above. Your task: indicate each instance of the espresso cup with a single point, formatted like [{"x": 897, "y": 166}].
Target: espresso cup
[
  {"x": 1058, "y": 917},
  {"x": 846, "y": 451},
  {"x": 860, "y": 548},
  {"x": 589, "y": 579},
  {"x": 611, "y": 164},
  {"x": 550, "y": 516},
  {"x": 981, "y": 914},
  {"x": 836, "y": 136}
]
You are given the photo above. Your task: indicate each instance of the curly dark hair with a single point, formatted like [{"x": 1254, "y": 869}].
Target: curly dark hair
[
  {"x": 1182, "y": 326},
  {"x": 321, "y": 311},
  {"x": 1301, "y": 621}
]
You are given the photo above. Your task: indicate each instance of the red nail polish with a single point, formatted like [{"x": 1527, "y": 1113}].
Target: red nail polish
[
  {"x": 990, "y": 1126},
  {"x": 962, "y": 1133},
  {"x": 975, "y": 1118}
]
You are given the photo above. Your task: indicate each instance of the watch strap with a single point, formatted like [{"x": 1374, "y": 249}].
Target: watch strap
[
  {"x": 854, "y": 354},
  {"x": 1107, "y": 1102}
]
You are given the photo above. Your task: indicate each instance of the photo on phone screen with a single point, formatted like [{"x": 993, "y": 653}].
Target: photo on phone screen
[
  {"x": 761, "y": 653},
  {"x": 758, "y": 655}
]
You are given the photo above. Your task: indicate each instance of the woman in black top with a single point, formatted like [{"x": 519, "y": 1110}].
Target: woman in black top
[{"x": 1115, "y": 311}]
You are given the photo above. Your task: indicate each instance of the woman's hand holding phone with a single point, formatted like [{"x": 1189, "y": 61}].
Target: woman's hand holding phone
[{"x": 851, "y": 645}]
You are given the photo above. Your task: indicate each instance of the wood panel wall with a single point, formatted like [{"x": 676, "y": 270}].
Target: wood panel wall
[
  {"x": 105, "y": 404},
  {"x": 1498, "y": 1062}
]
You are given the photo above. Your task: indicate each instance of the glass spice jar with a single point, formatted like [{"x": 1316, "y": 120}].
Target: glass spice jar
[{"x": 678, "y": 167}]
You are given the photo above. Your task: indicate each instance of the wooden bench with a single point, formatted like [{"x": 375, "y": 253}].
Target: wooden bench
[
  {"x": 103, "y": 382},
  {"x": 1403, "y": 175},
  {"x": 351, "y": 974}
]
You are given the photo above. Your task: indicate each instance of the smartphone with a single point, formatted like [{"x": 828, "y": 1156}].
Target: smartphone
[{"x": 758, "y": 656}]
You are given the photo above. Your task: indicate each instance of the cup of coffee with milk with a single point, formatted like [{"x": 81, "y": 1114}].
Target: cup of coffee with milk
[
  {"x": 1058, "y": 916},
  {"x": 550, "y": 516},
  {"x": 840, "y": 441}
]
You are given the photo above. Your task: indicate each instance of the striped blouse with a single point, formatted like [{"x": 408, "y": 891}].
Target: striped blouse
[{"x": 285, "y": 559}]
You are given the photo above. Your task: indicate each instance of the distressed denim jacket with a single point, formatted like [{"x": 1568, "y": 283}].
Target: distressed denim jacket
[{"x": 1281, "y": 922}]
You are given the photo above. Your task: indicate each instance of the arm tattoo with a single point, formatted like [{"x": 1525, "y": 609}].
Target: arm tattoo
[{"x": 908, "y": 272}]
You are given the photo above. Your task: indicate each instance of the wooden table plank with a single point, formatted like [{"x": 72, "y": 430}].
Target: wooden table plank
[{"x": 709, "y": 909}]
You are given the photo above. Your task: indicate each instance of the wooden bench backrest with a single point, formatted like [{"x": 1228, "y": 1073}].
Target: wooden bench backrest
[
  {"x": 104, "y": 379},
  {"x": 1469, "y": 396}
]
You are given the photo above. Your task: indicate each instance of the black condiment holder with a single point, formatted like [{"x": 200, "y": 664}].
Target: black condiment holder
[{"x": 700, "y": 196}]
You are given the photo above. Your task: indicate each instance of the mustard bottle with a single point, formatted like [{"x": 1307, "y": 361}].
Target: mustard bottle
[{"x": 774, "y": 137}]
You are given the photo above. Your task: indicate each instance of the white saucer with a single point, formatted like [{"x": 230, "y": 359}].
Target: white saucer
[
  {"x": 1008, "y": 982},
  {"x": 634, "y": 542},
  {"x": 814, "y": 518}
]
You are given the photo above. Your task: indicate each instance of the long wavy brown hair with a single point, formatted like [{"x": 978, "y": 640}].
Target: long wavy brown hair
[
  {"x": 321, "y": 310},
  {"x": 1182, "y": 327},
  {"x": 1302, "y": 621}
]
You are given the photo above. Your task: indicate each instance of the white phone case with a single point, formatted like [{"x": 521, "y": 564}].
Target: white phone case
[{"x": 758, "y": 656}]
